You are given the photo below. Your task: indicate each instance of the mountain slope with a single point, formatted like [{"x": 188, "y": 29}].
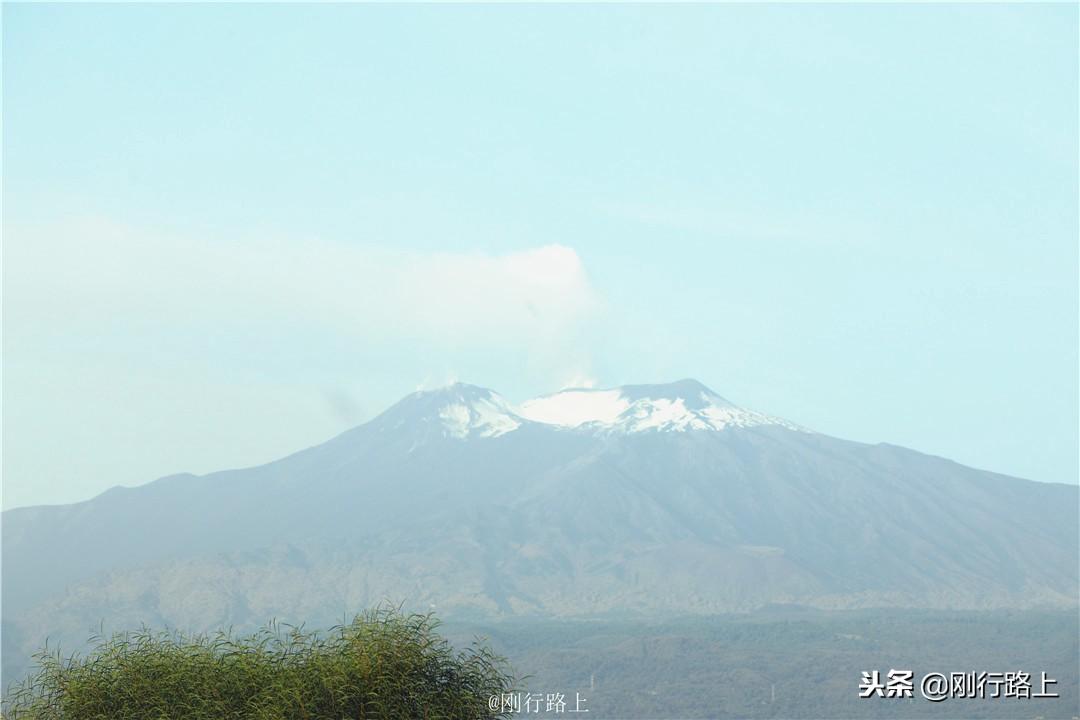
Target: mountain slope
[{"x": 645, "y": 499}]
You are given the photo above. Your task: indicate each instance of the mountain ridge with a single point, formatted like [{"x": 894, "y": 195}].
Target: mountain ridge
[
  {"x": 460, "y": 512},
  {"x": 666, "y": 407}
]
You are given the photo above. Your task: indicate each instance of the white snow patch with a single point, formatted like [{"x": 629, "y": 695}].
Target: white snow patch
[
  {"x": 663, "y": 414},
  {"x": 571, "y": 408},
  {"x": 612, "y": 411},
  {"x": 488, "y": 417},
  {"x": 673, "y": 416}
]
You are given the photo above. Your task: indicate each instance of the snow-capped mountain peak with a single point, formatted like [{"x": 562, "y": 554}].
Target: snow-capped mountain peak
[
  {"x": 463, "y": 411},
  {"x": 674, "y": 407},
  {"x": 458, "y": 411}
]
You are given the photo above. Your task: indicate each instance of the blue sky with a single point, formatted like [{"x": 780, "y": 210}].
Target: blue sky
[{"x": 231, "y": 231}]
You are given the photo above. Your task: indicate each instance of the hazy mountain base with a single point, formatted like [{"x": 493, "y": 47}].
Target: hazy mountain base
[
  {"x": 730, "y": 666},
  {"x": 320, "y": 585},
  {"x": 543, "y": 521},
  {"x": 774, "y": 663}
]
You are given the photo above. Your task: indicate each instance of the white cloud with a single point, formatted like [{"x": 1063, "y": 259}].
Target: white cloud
[
  {"x": 145, "y": 353},
  {"x": 94, "y": 277}
]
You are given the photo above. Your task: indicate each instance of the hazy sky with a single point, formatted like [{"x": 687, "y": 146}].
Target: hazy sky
[{"x": 232, "y": 231}]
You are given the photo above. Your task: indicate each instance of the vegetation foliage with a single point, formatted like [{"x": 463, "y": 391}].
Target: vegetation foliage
[{"x": 384, "y": 665}]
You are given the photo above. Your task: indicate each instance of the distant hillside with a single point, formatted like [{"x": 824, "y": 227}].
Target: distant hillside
[{"x": 785, "y": 663}]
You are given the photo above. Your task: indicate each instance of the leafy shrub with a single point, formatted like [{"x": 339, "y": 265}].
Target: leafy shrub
[{"x": 382, "y": 665}]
